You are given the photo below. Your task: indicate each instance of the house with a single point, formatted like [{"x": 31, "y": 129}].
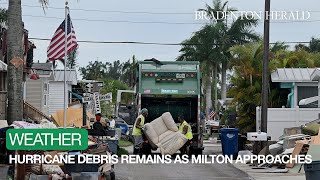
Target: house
[
  {"x": 301, "y": 83},
  {"x": 36, "y": 91},
  {"x": 46, "y": 93},
  {"x": 56, "y": 86}
]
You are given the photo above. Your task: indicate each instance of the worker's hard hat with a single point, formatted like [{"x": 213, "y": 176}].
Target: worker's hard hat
[{"x": 144, "y": 110}]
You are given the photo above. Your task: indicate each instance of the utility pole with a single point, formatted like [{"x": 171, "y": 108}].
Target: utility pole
[{"x": 265, "y": 69}]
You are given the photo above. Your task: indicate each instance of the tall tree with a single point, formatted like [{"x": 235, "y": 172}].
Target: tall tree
[
  {"x": 313, "y": 46},
  {"x": 72, "y": 59},
  {"x": 15, "y": 61},
  {"x": 15, "y": 65},
  {"x": 246, "y": 80},
  {"x": 237, "y": 32},
  {"x": 94, "y": 71},
  {"x": 202, "y": 46},
  {"x": 115, "y": 70},
  {"x": 129, "y": 71}
]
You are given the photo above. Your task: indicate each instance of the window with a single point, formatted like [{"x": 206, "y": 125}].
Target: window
[
  {"x": 45, "y": 94},
  {"x": 45, "y": 100},
  {"x": 45, "y": 87},
  {"x": 306, "y": 92}
]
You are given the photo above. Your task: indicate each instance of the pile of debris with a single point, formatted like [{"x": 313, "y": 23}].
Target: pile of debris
[
  {"x": 96, "y": 145},
  {"x": 292, "y": 143}
]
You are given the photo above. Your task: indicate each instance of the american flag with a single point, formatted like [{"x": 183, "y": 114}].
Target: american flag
[
  {"x": 57, "y": 45},
  {"x": 211, "y": 115}
]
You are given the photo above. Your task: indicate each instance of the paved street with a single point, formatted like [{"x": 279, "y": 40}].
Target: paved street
[{"x": 181, "y": 171}]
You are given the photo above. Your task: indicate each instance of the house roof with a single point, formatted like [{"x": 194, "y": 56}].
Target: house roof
[
  {"x": 71, "y": 75},
  {"x": 42, "y": 66},
  {"x": 3, "y": 66},
  {"x": 292, "y": 75}
]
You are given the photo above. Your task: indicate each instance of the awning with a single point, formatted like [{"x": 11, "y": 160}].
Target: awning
[{"x": 292, "y": 75}]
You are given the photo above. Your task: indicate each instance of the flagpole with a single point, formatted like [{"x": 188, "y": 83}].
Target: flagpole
[{"x": 65, "y": 65}]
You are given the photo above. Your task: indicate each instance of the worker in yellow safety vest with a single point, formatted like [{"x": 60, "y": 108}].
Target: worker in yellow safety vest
[
  {"x": 137, "y": 130},
  {"x": 185, "y": 129}
]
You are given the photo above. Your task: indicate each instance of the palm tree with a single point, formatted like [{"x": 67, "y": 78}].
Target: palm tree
[
  {"x": 15, "y": 59},
  {"x": 246, "y": 82},
  {"x": 247, "y": 61},
  {"x": 129, "y": 72},
  {"x": 236, "y": 32},
  {"x": 15, "y": 69},
  {"x": 202, "y": 46},
  {"x": 313, "y": 46}
]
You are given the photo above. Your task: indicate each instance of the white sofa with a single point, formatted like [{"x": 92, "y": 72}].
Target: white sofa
[{"x": 163, "y": 133}]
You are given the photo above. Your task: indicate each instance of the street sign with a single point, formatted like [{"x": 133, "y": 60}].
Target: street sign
[
  {"x": 97, "y": 102},
  {"x": 87, "y": 99},
  {"x": 106, "y": 97},
  {"x": 100, "y": 84},
  {"x": 89, "y": 87}
]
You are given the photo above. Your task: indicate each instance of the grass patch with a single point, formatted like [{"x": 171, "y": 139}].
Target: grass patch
[
  {"x": 122, "y": 151},
  {"x": 124, "y": 143}
]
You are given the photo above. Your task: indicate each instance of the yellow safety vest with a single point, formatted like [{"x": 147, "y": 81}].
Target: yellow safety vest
[
  {"x": 136, "y": 131},
  {"x": 189, "y": 132}
]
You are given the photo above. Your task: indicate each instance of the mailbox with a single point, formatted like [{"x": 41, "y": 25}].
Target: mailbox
[{"x": 257, "y": 136}]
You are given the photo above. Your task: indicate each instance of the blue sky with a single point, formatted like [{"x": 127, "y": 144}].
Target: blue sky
[{"x": 44, "y": 27}]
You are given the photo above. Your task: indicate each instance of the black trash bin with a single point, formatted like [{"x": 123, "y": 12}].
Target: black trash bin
[
  {"x": 241, "y": 142},
  {"x": 312, "y": 171}
]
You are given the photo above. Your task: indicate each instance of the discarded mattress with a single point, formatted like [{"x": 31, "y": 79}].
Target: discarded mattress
[{"x": 163, "y": 133}]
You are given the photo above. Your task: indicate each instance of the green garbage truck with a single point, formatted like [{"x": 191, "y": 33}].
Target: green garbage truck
[{"x": 171, "y": 86}]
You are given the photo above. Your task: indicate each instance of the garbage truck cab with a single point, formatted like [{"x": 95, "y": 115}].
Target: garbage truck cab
[{"x": 175, "y": 87}]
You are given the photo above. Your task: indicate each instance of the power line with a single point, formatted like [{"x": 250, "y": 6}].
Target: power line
[
  {"x": 148, "y": 12},
  {"x": 125, "y": 12},
  {"x": 144, "y": 22},
  {"x": 155, "y": 43},
  {"x": 111, "y": 11},
  {"x": 117, "y": 11},
  {"x": 115, "y": 21},
  {"x": 154, "y": 22}
]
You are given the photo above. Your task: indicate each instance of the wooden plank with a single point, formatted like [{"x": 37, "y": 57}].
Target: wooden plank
[
  {"x": 296, "y": 151},
  {"x": 305, "y": 141},
  {"x": 316, "y": 140}
]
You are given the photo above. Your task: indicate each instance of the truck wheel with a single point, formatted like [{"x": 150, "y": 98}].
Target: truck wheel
[
  {"x": 200, "y": 151},
  {"x": 112, "y": 176},
  {"x": 131, "y": 139},
  {"x": 195, "y": 151}
]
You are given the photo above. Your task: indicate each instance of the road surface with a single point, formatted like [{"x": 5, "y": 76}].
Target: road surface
[{"x": 181, "y": 171}]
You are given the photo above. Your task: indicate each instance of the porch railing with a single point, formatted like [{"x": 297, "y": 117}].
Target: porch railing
[{"x": 33, "y": 113}]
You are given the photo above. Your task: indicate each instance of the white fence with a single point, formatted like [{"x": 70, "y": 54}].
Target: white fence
[{"x": 280, "y": 118}]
